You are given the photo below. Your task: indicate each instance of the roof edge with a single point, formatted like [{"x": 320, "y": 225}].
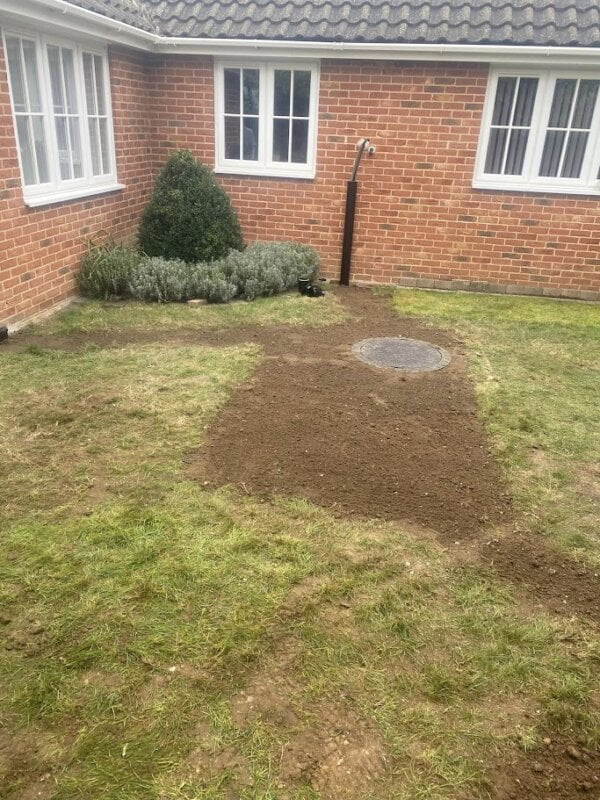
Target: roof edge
[{"x": 65, "y": 15}]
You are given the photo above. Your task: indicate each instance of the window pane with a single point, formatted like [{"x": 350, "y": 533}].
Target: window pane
[
  {"x": 26, "y": 151},
  {"x": 505, "y": 93},
  {"x": 33, "y": 86},
  {"x": 39, "y": 143},
  {"x": 586, "y": 102},
  {"x": 56, "y": 80},
  {"x": 251, "y": 89},
  {"x": 100, "y": 91},
  {"x": 301, "y": 93},
  {"x": 516, "y": 152},
  {"x": 562, "y": 101},
  {"x": 104, "y": 146},
  {"x": 574, "y": 154},
  {"x": 495, "y": 152},
  {"x": 17, "y": 82},
  {"x": 232, "y": 137},
  {"x": 63, "y": 147},
  {"x": 525, "y": 101},
  {"x": 552, "y": 152},
  {"x": 88, "y": 79},
  {"x": 75, "y": 147},
  {"x": 69, "y": 76},
  {"x": 299, "y": 141},
  {"x": 281, "y": 100},
  {"x": 250, "y": 138},
  {"x": 232, "y": 91},
  {"x": 95, "y": 146},
  {"x": 281, "y": 132}
]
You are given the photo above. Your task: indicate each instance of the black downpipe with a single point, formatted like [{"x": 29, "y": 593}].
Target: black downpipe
[{"x": 351, "y": 192}]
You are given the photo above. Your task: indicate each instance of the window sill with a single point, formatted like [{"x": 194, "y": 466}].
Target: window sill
[
  {"x": 536, "y": 188},
  {"x": 74, "y": 194},
  {"x": 305, "y": 174}
]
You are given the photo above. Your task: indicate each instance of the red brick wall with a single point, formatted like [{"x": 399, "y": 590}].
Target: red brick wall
[
  {"x": 419, "y": 221},
  {"x": 40, "y": 248}
]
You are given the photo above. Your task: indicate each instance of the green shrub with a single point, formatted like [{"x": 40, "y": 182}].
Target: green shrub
[
  {"x": 269, "y": 268},
  {"x": 189, "y": 216},
  {"x": 160, "y": 280},
  {"x": 106, "y": 269},
  {"x": 216, "y": 289}
]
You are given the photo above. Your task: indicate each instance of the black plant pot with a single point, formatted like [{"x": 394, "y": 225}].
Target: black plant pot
[{"x": 303, "y": 284}]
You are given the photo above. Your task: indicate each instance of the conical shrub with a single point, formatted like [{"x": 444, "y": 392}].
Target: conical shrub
[{"x": 189, "y": 216}]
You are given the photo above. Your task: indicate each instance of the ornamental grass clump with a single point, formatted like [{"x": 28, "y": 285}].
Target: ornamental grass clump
[
  {"x": 106, "y": 269},
  {"x": 189, "y": 216}
]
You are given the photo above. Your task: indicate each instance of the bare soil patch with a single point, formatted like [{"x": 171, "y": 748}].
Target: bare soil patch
[{"x": 560, "y": 770}]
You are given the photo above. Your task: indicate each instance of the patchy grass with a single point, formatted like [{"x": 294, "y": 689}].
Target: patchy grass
[
  {"x": 287, "y": 309},
  {"x": 536, "y": 365},
  {"x": 162, "y": 642}
]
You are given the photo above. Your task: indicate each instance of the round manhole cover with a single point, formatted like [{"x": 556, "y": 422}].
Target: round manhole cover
[{"x": 399, "y": 353}]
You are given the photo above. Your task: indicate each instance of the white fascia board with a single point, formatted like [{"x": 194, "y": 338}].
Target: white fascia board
[
  {"x": 508, "y": 54},
  {"x": 63, "y": 15}
]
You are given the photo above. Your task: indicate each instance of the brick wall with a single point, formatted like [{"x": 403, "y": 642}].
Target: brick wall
[
  {"x": 40, "y": 248},
  {"x": 419, "y": 221}
]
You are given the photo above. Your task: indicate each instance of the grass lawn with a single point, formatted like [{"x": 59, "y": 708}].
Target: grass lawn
[
  {"x": 536, "y": 364},
  {"x": 165, "y": 642}
]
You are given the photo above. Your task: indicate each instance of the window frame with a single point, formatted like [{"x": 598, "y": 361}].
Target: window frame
[
  {"x": 529, "y": 180},
  {"x": 265, "y": 166},
  {"x": 57, "y": 189}
]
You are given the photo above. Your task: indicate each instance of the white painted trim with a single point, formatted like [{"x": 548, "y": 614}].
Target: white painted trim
[
  {"x": 76, "y": 20},
  {"x": 265, "y": 166},
  {"x": 73, "y": 194},
  {"x": 529, "y": 180}
]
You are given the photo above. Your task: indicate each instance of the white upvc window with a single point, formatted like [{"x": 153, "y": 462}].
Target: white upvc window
[
  {"x": 63, "y": 124},
  {"x": 540, "y": 132},
  {"x": 266, "y": 118}
]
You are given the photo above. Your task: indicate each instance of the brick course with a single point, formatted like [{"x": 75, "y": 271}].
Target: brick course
[{"x": 419, "y": 221}]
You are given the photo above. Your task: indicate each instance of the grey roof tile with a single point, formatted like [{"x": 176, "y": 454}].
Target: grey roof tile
[{"x": 521, "y": 22}]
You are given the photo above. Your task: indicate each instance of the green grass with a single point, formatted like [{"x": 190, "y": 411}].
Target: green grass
[
  {"x": 536, "y": 364},
  {"x": 139, "y": 610},
  {"x": 287, "y": 309}
]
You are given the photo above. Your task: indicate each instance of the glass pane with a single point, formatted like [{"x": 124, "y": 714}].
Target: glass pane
[
  {"x": 552, "y": 152},
  {"x": 250, "y": 138},
  {"x": 505, "y": 91},
  {"x": 301, "y": 93},
  {"x": 232, "y": 137},
  {"x": 516, "y": 152},
  {"x": 69, "y": 76},
  {"x": 56, "y": 80},
  {"x": 33, "y": 86},
  {"x": 39, "y": 143},
  {"x": 251, "y": 89},
  {"x": 281, "y": 99},
  {"x": 281, "y": 132},
  {"x": 95, "y": 146},
  {"x": 103, "y": 123},
  {"x": 574, "y": 154},
  {"x": 232, "y": 91},
  {"x": 299, "y": 141},
  {"x": 525, "y": 101},
  {"x": 495, "y": 152},
  {"x": 586, "y": 102},
  {"x": 63, "y": 147},
  {"x": 88, "y": 79},
  {"x": 26, "y": 151},
  {"x": 562, "y": 101},
  {"x": 75, "y": 147},
  {"x": 101, "y": 94},
  {"x": 17, "y": 83}
]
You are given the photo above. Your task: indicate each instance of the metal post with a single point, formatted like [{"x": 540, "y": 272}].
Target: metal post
[{"x": 351, "y": 191}]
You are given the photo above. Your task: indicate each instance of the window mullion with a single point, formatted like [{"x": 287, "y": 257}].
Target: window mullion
[
  {"x": 48, "y": 107},
  {"x": 539, "y": 119}
]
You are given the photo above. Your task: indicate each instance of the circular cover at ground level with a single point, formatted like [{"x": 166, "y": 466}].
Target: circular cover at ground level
[{"x": 399, "y": 353}]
